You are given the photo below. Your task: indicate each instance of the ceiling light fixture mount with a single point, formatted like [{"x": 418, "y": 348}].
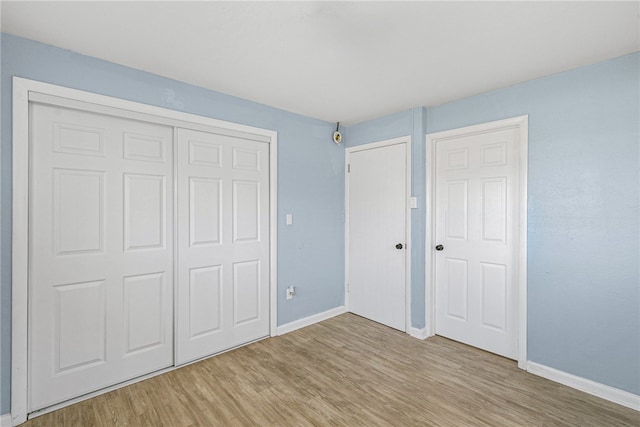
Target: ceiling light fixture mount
[{"x": 337, "y": 136}]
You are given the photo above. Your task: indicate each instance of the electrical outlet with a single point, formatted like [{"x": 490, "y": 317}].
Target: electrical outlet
[{"x": 291, "y": 291}]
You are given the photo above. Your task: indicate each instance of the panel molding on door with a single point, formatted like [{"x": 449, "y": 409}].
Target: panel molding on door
[
  {"x": 476, "y": 232},
  {"x": 223, "y": 265}
]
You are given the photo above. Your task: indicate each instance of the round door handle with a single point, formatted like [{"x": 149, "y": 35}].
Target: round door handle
[
  {"x": 439, "y": 247},
  {"x": 399, "y": 246}
]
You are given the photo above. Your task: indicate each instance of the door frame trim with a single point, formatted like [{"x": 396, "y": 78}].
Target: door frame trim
[
  {"x": 408, "y": 246},
  {"x": 522, "y": 124},
  {"x": 22, "y": 90}
]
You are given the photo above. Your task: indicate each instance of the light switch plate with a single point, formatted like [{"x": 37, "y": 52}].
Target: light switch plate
[{"x": 289, "y": 219}]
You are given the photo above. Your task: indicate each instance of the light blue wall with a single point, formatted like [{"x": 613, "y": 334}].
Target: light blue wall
[
  {"x": 406, "y": 123},
  {"x": 310, "y": 173}
]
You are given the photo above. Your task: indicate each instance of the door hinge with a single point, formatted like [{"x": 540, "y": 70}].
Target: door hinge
[
  {"x": 348, "y": 287},
  {"x": 349, "y": 168}
]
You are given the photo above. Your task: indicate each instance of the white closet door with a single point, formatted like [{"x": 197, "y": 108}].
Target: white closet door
[
  {"x": 100, "y": 248},
  {"x": 223, "y": 243}
]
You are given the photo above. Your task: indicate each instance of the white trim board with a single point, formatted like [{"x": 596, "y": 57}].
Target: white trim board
[
  {"x": 603, "y": 391},
  {"x": 23, "y": 91},
  {"x": 522, "y": 124},
  {"x": 419, "y": 333},
  {"x": 310, "y": 320},
  {"x": 408, "y": 244},
  {"x": 5, "y": 420}
]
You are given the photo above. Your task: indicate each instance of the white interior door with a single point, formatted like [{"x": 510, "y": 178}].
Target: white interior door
[
  {"x": 100, "y": 252},
  {"x": 377, "y": 203},
  {"x": 476, "y": 233},
  {"x": 223, "y": 243}
]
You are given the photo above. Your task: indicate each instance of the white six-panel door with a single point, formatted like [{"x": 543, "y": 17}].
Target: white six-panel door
[
  {"x": 100, "y": 260},
  {"x": 476, "y": 224},
  {"x": 223, "y": 243},
  {"x": 377, "y": 203}
]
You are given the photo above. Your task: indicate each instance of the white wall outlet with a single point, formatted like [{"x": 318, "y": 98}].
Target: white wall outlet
[
  {"x": 413, "y": 202},
  {"x": 291, "y": 291},
  {"x": 289, "y": 219}
]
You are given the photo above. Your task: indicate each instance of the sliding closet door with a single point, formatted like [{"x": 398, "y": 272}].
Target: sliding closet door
[
  {"x": 100, "y": 252},
  {"x": 223, "y": 243}
]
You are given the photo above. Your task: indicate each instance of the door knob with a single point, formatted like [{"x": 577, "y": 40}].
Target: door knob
[
  {"x": 399, "y": 246},
  {"x": 439, "y": 247}
]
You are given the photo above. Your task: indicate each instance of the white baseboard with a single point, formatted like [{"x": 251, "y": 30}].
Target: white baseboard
[
  {"x": 421, "y": 334},
  {"x": 5, "y": 420},
  {"x": 310, "y": 320},
  {"x": 606, "y": 392}
]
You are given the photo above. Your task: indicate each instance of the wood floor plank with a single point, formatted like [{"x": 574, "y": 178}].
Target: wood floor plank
[{"x": 346, "y": 371}]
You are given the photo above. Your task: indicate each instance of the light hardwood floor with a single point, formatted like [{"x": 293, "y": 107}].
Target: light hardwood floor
[{"x": 346, "y": 371}]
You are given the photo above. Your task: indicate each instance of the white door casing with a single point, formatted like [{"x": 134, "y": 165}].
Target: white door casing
[
  {"x": 137, "y": 194},
  {"x": 377, "y": 193},
  {"x": 101, "y": 243},
  {"x": 476, "y": 292},
  {"x": 223, "y": 243}
]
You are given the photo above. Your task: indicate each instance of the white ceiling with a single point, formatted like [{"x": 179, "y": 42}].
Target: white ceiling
[{"x": 338, "y": 61}]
